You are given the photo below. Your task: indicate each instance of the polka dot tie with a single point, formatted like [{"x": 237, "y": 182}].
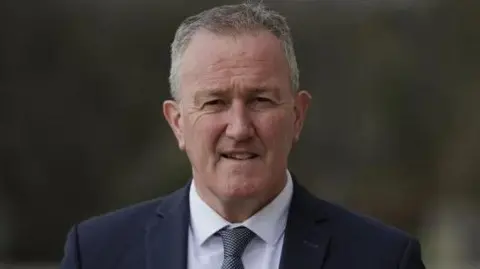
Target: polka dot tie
[{"x": 234, "y": 243}]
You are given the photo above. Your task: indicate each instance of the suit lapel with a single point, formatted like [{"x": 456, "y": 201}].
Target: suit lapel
[
  {"x": 307, "y": 234},
  {"x": 166, "y": 237}
]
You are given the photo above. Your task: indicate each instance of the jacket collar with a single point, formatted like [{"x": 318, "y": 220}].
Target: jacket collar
[
  {"x": 307, "y": 235},
  {"x": 306, "y": 239},
  {"x": 166, "y": 237}
]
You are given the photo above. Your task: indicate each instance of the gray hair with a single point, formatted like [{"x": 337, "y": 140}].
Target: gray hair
[{"x": 232, "y": 19}]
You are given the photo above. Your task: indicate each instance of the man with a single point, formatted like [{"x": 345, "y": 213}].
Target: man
[{"x": 236, "y": 112}]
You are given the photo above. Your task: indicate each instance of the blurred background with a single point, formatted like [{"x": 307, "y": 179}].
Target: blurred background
[{"x": 393, "y": 131}]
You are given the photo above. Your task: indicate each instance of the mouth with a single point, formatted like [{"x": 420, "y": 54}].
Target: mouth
[{"x": 239, "y": 156}]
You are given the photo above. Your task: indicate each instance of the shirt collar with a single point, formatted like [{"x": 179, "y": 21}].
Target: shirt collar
[
  {"x": 268, "y": 223},
  {"x": 204, "y": 221}
]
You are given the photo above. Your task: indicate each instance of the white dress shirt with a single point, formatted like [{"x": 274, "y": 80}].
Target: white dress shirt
[{"x": 205, "y": 250}]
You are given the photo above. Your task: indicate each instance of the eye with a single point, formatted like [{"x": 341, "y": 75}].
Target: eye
[
  {"x": 214, "y": 102},
  {"x": 260, "y": 102},
  {"x": 263, "y": 100}
]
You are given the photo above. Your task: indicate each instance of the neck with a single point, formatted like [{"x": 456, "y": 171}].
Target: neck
[{"x": 236, "y": 210}]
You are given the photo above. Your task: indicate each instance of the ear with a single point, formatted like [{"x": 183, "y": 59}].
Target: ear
[
  {"x": 302, "y": 102},
  {"x": 173, "y": 115}
]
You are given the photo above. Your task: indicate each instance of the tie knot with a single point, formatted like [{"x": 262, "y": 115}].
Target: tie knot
[{"x": 236, "y": 240}]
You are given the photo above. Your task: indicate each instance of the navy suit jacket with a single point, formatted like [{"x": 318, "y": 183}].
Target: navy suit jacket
[{"x": 153, "y": 235}]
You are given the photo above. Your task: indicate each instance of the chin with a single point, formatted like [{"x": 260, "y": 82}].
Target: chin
[{"x": 243, "y": 185}]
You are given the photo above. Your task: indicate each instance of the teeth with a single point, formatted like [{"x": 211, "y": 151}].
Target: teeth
[{"x": 240, "y": 156}]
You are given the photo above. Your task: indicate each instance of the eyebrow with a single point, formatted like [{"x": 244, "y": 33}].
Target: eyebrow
[
  {"x": 257, "y": 91},
  {"x": 219, "y": 92},
  {"x": 209, "y": 93},
  {"x": 275, "y": 91}
]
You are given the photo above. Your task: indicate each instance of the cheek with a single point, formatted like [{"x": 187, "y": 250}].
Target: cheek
[
  {"x": 275, "y": 130},
  {"x": 204, "y": 131}
]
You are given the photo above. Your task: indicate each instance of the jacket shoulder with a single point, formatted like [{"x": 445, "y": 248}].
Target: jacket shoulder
[
  {"x": 355, "y": 223},
  {"x": 89, "y": 241},
  {"x": 366, "y": 240},
  {"x": 129, "y": 216},
  {"x": 346, "y": 223},
  {"x": 115, "y": 230},
  {"x": 365, "y": 236},
  {"x": 103, "y": 241},
  {"x": 133, "y": 216}
]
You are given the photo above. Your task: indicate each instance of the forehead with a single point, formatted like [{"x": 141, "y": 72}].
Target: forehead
[{"x": 242, "y": 61}]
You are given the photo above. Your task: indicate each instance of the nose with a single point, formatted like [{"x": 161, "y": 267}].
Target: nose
[{"x": 239, "y": 126}]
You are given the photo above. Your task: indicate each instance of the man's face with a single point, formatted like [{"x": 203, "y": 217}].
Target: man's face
[{"x": 237, "y": 116}]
